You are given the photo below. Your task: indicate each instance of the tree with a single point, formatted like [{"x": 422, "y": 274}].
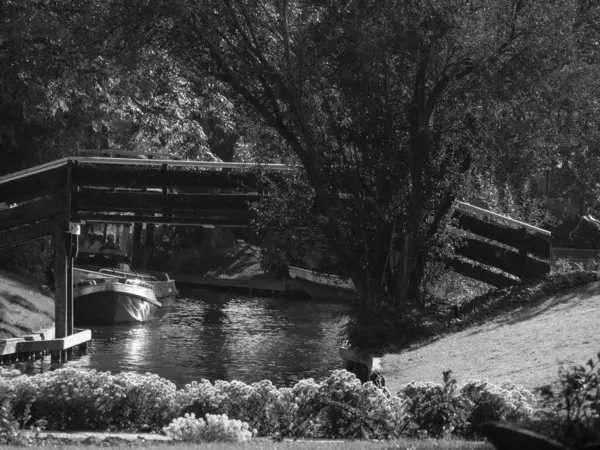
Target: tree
[{"x": 384, "y": 106}]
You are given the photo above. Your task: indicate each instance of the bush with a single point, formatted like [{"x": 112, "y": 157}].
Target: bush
[
  {"x": 72, "y": 399},
  {"x": 149, "y": 401},
  {"x": 216, "y": 428},
  {"x": 338, "y": 407},
  {"x": 437, "y": 410},
  {"x": 490, "y": 402},
  {"x": 570, "y": 408},
  {"x": 441, "y": 410},
  {"x": 342, "y": 407}
]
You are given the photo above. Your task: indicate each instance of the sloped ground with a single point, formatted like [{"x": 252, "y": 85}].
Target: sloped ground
[
  {"x": 25, "y": 306},
  {"x": 524, "y": 345},
  {"x": 240, "y": 261}
]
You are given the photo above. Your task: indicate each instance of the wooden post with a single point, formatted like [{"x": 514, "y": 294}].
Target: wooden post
[
  {"x": 59, "y": 244},
  {"x": 69, "y": 288},
  {"x": 72, "y": 244}
]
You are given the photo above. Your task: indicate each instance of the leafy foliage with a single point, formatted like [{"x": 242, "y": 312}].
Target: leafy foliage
[
  {"x": 437, "y": 410},
  {"x": 214, "y": 429},
  {"x": 71, "y": 399},
  {"x": 385, "y": 106},
  {"x": 28, "y": 259},
  {"x": 570, "y": 409}
]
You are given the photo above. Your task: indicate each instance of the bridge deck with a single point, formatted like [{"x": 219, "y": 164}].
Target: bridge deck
[
  {"x": 96, "y": 189},
  {"x": 126, "y": 190}
]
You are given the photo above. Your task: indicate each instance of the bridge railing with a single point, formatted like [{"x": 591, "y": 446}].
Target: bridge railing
[{"x": 499, "y": 250}]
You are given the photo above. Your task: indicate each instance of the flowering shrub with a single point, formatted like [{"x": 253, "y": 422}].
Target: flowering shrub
[
  {"x": 149, "y": 401},
  {"x": 68, "y": 399},
  {"x": 72, "y": 399},
  {"x": 570, "y": 408},
  {"x": 490, "y": 402},
  {"x": 7, "y": 372},
  {"x": 339, "y": 406},
  {"x": 440, "y": 410},
  {"x": 342, "y": 407},
  {"x": 436, "y": 410},
  {"x": 216, "y": 428}
]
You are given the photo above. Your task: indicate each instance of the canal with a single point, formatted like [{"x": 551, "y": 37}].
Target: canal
[{"x": 217, "y": 335}]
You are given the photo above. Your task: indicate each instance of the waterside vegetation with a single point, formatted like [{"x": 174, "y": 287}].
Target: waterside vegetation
[{"x": 337, "y": 407}]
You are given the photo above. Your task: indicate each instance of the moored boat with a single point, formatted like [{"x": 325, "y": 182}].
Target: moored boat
[
  {"x": 101, "y": 265},
  {"x": 107, "y": 289},
  {"x": 105, "y": 301},
  {"x": 321, "y": 287}
]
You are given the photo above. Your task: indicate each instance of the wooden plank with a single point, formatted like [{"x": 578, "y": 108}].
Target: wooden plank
[
  {"x": 33, "y": 170},
  {"x": 59, "y": 241},
  {"x": 121, "y": 176},
  {"x": 42, "y": 209},
  {"x": 112, "y": 153},
  {"x": 485, "y": 212},
  {"x": 195, "y": 280},
  {"x": 479, "y": 273},
  {"x": 26, "y": 233},
  {"x": 199, "y": 202},
  {"x": 229, "y": 221},
  {"x": 98, "y": 200},
  {"x": 34, "y": 185},
  {"x": 522, "y": 239},
  {"x": 58, "y": 344},
  {"x": 153, "y": 177},
  {"x": 506, "y": 260},
  {"x": 211, "y": 165},
  {"x": 9, "y": 346},
  {"x": 186, "y": 179}
]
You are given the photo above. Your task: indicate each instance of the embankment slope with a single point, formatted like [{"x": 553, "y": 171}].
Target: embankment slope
[
  {"x": 524, "y": 346},
  {"x": 25, "y": 306}
]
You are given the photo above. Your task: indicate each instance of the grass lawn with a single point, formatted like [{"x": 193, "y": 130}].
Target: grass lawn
[
  {"x": 524, "y": 346},
  {"x": 25, "y": 306}
]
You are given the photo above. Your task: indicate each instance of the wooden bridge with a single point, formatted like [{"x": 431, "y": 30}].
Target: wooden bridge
[{"x": 52, "y": 199}]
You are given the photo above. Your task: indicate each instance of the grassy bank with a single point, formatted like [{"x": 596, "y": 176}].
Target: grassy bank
[
  {"x": 25, "y": 306},
  {"x": 519, "y": 334},
  {"x": 240, "y": 261}
]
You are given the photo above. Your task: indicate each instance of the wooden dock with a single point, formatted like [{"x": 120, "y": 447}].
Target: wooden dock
[
  {"x": 37, "y": 345},
  {"x": 276, "y": 288},
  {"x": 301, "y": 285}
]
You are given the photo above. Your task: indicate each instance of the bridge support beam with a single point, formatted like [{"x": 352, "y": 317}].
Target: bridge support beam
[
  {"x": 64, "y": 242},
  {"x": 59, "y": 244}
]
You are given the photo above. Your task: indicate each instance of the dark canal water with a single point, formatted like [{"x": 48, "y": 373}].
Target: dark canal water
[{"x": 226, "y": 336}]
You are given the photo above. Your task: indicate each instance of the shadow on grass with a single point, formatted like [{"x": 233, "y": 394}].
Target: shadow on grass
[
  {"x": 17, "y": 300},
  {"x": 6, "y": 329},
  {"x": 506, "y": 306}
]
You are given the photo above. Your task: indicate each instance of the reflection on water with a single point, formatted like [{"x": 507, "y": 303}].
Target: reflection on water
[{"x": 222, "y": 336}]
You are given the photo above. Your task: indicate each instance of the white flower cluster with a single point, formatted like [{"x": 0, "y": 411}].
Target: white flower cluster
[
  {"x": 339, "y": 406},
  {"x": 216, "y": 428},
  {"x": 509, "y": 402}
]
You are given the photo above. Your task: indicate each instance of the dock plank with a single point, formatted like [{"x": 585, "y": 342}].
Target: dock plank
[{"x": 37, "y": 343}]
